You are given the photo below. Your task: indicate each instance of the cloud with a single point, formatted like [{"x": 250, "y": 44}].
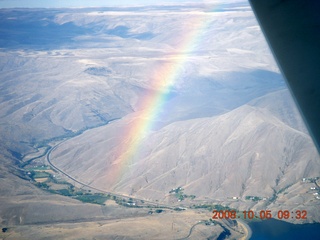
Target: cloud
[{"x": 99, "y": 3}]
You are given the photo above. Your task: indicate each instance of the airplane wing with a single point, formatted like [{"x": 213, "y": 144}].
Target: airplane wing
[{"x": 292, "y": 30}]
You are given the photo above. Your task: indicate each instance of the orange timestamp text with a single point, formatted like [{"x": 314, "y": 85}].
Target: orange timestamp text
[{"x": 262, "y": 214}]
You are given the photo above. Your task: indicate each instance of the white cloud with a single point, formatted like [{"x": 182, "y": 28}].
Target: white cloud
[{"x": 100, "y": 3}]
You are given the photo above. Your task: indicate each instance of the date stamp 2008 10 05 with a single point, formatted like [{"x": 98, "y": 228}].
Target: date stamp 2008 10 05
[{"x": 262, "y": 214}]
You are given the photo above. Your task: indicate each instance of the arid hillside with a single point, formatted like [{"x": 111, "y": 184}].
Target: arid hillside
[{"x": 249, "y": 151}]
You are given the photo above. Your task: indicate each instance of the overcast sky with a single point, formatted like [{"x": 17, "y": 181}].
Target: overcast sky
[{"x": 94, "y": 3}]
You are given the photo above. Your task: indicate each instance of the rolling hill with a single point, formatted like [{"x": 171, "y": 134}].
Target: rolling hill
[{"x": 233, "y": 154}]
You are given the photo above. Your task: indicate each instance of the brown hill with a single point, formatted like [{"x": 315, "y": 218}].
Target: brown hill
[{"x": 247, "y": 151}]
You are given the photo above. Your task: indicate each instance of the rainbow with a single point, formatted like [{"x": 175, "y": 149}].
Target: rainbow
[{"x": 162, "y": 81}]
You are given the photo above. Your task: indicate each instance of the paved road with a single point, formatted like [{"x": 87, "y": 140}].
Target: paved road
[
  {"x": 66, "y": 174},
  {"x": 190, "y": 231},
  {"x": 94, "y": 188}
]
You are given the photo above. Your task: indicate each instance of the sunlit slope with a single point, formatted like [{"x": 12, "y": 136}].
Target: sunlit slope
[
  {"x": 247, "y": 151},
  {"x": 281, "y": 105},
  {"x": 45, "y": 96},
  {"x": 66, "y": 70}
]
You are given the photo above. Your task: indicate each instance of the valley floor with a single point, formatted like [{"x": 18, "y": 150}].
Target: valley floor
[{"x": 189, "y": 224}]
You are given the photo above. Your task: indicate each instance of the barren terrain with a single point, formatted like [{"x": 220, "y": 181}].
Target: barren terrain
[{"x": 135, "y": 123}]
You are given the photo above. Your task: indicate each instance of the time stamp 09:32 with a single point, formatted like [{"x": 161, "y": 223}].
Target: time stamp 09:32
[{"x": 262, "y": 214}]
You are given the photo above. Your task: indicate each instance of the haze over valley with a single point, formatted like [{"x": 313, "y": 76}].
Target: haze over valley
[{"x": 173, "y": 105}]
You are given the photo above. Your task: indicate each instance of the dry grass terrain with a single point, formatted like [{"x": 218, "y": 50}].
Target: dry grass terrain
[
  {"x": 31, "y": 213},
  {"x": 167, "y": 225},
  {"x": 179, "y": 106}
]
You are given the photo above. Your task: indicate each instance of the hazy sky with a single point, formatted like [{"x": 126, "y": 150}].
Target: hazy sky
[{"x": 93, "y": 3}]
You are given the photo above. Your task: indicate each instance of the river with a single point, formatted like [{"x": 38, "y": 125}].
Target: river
[{"x": 275, "y": 229}]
